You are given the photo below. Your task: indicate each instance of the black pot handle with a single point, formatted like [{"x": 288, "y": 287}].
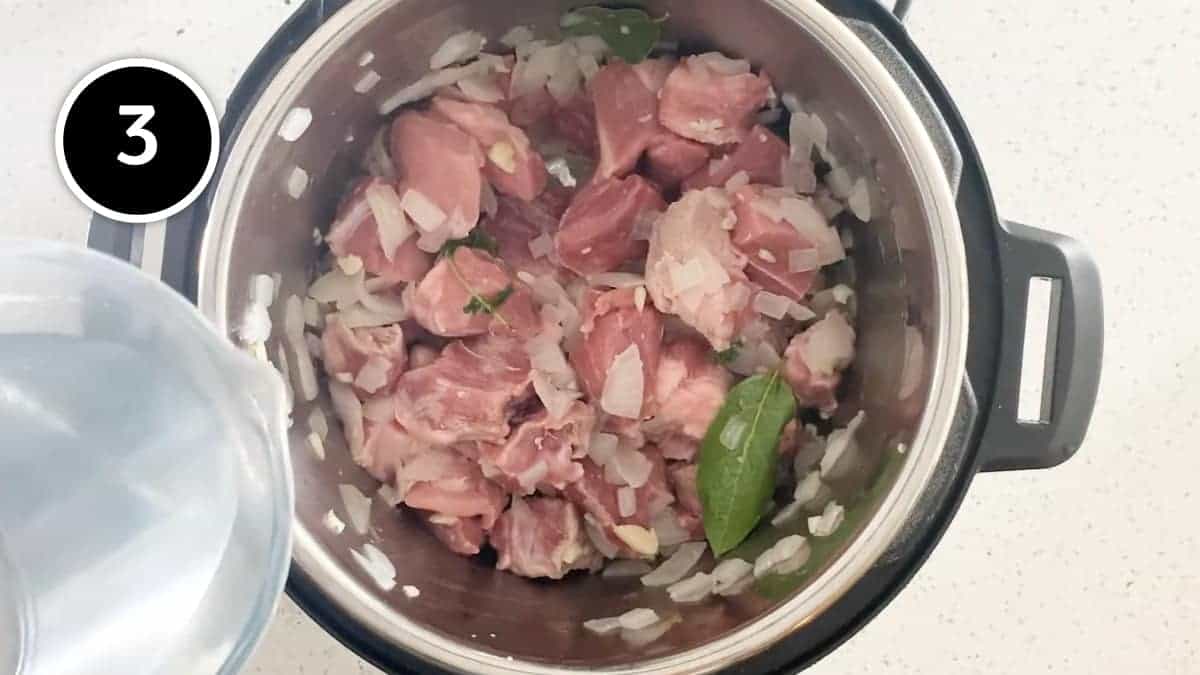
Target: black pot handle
[{"x": 1073, "y": 350}]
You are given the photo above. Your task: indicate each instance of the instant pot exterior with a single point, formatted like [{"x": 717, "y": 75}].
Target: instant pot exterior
[{"x": 965, "y": 291}]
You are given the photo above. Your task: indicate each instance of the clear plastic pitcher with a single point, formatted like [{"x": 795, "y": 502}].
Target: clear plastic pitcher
[{"x": 145, "y": 489}]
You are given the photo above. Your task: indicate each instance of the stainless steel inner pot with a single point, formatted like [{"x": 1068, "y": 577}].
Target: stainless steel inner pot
[{"x": 909, "y": 266}]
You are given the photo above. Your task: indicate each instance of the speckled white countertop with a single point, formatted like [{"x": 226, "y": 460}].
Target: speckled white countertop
[{"x": 1088, "y": 118}]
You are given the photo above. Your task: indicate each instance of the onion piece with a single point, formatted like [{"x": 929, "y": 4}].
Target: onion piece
[
  {"x": 729, "y": 574},
  {"x": 541, "y": 246},
  {"x": 390, "y": 495},
  {"x": 677, "y": 566},
  {"x": 373, "y": 376},
  {"x": 429, "y": 84},
  {"x": 338, "y": 288},
  {"x": 914, "y": 362},
  {"x": 457, "y": 48},
  {"x": 602, "y": 448},
  {"x": 737, "y": 181},
  {"x": 625, "y": 568},
  {"x": 596, "y": 534},
  {"x": 333, "y": 523},
  {"x": 787, "y": 514},
  {"x": 316, "y": 444},
  {"x": 691, "y": 590},
  {"x": 561, "y": 170},
  {"x": 517, "y": 36},
  {"x": 358, "y": 507},
  {"x": 839, "y": 182},
  {"x": 557, "y": 400},
  {"x": 349, "y": 410},
  {"x": 829, "y": 521},
  {"x": 603, "y": 626},
  {"x": 667, "y": 528},
  {"x": 811, "y": 224},
  {"x": 616, "y": 280},
  {"x": 859, "y": 201},
  {"x": 772, "y": 305},
  {"x": 623, "y": 389},
  {"x": 394, "y": 228},
  {"x": 636, "y": 619},
  {"x": 803, "y": 260},
  {"x": 839, "y": 442},
  {"x": 626, "y": 501},
  {"x": 632, "y": 466},
  {"x": 293, "y": 322},
  {"x": 422, "y": 210},
  {"x": 317, "y": 423},
  {"x": 255, "y": 326},
  {"x": 784, "y": 554},
  {"x": 376, "y": 565},
  {"x": 808, "y": 488}
]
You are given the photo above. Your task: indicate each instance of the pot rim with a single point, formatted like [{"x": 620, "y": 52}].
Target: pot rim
[{"x": 941, "y": 217}]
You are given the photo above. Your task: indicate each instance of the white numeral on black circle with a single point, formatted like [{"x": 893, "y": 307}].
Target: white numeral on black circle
[{"x": 138, "y": 130}]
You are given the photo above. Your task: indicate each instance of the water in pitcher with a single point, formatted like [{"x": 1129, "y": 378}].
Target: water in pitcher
[{"x": 116, "y": 484}]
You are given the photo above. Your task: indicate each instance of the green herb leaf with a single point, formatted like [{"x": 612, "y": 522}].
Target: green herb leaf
[
  {"x": 630, "y": 33},
  {"x": 738, "y": 457},
  {"x": 728, "y": 356},
  {"x": 487, "y": 305},
  {"x": 476, "y": 239}
]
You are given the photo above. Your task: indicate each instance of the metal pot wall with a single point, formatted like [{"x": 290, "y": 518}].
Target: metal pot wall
[{"x": 934, "y": 259}]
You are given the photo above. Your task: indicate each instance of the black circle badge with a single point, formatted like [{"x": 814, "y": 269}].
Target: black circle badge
[{"x": 137, "y": 140}]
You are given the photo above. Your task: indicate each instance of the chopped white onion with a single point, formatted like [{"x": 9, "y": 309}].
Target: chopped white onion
[
  {"x": 488, "y": 202},
  {"x": 636, "y": 619},
  {"x": 790, "y": 101},
  {"x": 677, "y": 566},
  {"x": 556, "y": 399},
  {"x": 390, "y": 495},
  {"x": 317, "y": 423},
  {"x": 429, "y": 84},
  {"x": 639, "y": 539},
  {"x": 338, "y": 288},
  {"x": 829, "y": 521},
  {"x": 626, "y": 501},
  {"x": 840, "y": 183},
  {"x": 457, "y": 48},
  {"x": 632, "y": 466},
  {"x": 312, "y": 313},
  {"x": 422, "y": 210},
  {"x": 349, "y": 410},
  {"x": 281, "y": 363},
  {"x": 373, "y": 375},
  {"x": 616, "y": 280},
  {"x": 667, "y": 528},
  {"x": 787, "y": 514},
  {"x": 859, "y": 201},
  {"x": 559, "y": 168},
  {"x": 294, "y": 124},
  {"x": 839, "y": 441},
  {"x": 541, "y": 246},
  {"x": 721, "y": 64},
  {"x": 693, "y": 589},
  {"x": 358, "y": 507},
  {"x": 357, "y": 316},
  {"x": 350, "y": 264},
  {"x": 333, "y": 523},
  {"x": 377, "y": 161},
  {"x": 625, "y": 568},
  {"x": 595, "y": 533},
  {"x": 293, "y": 325},
  {"x": 603, "y": 626},
  {"x": 602, "y": 448},
  {"x": 645, "y": 636},
  {"x": 316, "y": 444},
  {"x": 808, "y": 488},
  {"x": 367, "y": 82},
  {"x": 801, "y": 313},
  {"x": 411, "y": 592},
  {"x": 376, "y": 565},
  {"x": 729, "y": 575},
  {"x": 798, "y": 175},
  {"x": 828, "y": 345},
  {"x": 811, "y": 225},
  {"x": 386, "y": 206},
  {"x": 623, "y": 388},
  {"x": 517, "y": 36},
  {"x": 803, "y": 260},
  {"x": 785, "y": 552},
  {"x": 737, "y": 181},
  {"x": 772, "y": 305}
]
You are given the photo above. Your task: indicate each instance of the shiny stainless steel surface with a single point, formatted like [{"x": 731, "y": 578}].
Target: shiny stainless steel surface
[{"x": 909, "y": 264}]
